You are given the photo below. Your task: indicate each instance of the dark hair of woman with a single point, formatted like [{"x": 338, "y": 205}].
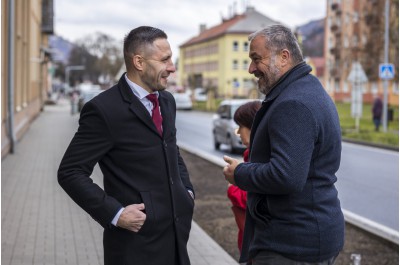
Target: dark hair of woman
[{"x": 245, "y": 114}]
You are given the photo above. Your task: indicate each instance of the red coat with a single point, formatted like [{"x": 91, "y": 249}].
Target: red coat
[{"x": 238, "y": 198}]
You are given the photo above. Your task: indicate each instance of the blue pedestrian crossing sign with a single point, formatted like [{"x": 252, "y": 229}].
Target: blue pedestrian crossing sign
[{"x": 386, "y": 71}]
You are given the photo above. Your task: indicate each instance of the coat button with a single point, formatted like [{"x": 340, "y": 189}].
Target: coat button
[{"x": 176, "y": 219}]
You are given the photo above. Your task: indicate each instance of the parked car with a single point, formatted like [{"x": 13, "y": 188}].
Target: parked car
[
  {"x": 200, "y": 94},
  {"x": 87, "y": 95},
  {"x": 183, "y": 100},
  {"x": 225, "y": 128}
]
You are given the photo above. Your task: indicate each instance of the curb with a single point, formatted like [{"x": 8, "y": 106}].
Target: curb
[
  {"x": 382, "y": 146},
  {"x": 354, "y": 219}
]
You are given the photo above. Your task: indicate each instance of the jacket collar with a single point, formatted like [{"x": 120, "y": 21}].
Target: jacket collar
[
  {"x": 139, "y": 110},
  {"x": 293, "y": 74},
  {"x": 298, "y": 71}
]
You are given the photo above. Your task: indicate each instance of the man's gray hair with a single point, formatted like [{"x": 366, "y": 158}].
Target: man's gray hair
[{"x": 279, "y": 37}]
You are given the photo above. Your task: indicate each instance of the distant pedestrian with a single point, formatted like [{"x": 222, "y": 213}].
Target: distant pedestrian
[
  {"x": 74, "y": 99},
  {"x": 293, "y": 213},
  {"x": 244, "y": 117},
  {"x": 377, "y": 113},
  {"x": 146, "y": 206}
]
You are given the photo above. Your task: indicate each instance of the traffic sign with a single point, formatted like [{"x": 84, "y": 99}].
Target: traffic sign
[
  {"x": 357, "y": 74},
  {"x": 386, "y": 71}
]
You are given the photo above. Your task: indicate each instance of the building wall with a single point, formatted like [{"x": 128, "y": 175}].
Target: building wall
[
  {"x": 350, "y": 38},
  {"x": 30, "y": 69},
  {"x": 222, "y": 63}
]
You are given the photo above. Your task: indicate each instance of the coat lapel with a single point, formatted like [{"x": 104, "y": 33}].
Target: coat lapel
[
  {"x": 166, "y": 111},
  {"x": 136, "y": 106}
]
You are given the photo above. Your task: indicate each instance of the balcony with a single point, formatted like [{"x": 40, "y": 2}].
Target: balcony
[
  {"x": 335, "y": 73},
  {"x": 47, "y": 17},
  {"x": 334, "y": 27}
]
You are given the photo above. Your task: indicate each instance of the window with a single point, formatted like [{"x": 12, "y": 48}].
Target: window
[
  {"x": 355, "y": 17},
  {"x": 235, "y": 65},
  {"x": 235, "y": 46},
  {"x": 364, "y": 39},
  {"x": 355, "y": 41},
  {"x": 245, "y": 65},
  {"x": 346, "y": 42},
  {"x": 246, "y": 46},
  {"x": 345, "y": 87},
  {"x": 330, "y": 43},
  {"x": 248, "y": 83},
  {"x": 328, "y": 85},
  {"x": 374, "y": 88},
  {"x": 395, "y": 88},
  {"x": 346, "y": 18},
  {"x": 235, "y": 83},
  {"x": 337, "y": 86}
]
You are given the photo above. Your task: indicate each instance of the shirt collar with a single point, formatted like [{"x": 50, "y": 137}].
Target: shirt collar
[{"x": 139, "y": 91}]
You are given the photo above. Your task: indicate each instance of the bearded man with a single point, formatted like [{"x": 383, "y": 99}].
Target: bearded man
[{"x": 293, "y": 211}]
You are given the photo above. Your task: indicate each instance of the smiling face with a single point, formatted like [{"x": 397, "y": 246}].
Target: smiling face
[
  {"x": 263, "y": 65},
  {"x": 157, "y": 66}
]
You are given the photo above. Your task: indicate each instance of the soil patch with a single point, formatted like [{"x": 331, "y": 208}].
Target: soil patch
[{"x": 213, "y": 214}]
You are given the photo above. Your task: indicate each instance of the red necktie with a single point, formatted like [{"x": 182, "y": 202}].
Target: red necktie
[{"x": 155, "y": 112}]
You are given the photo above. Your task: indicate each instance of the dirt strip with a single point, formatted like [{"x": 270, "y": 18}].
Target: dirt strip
[{"x": 213, "y": 215}]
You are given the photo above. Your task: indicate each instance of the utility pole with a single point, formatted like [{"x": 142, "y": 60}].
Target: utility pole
[{"x": 386, "y": 61}]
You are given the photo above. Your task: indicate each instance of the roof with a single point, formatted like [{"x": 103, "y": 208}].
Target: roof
[{"x": 245, "y": 23}]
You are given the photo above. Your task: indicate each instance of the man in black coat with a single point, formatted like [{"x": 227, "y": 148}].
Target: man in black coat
[
  {"x": 147, "y": 203},
  {"x": 293, "y": 211}
]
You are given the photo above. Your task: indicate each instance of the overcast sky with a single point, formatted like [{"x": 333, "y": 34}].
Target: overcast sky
[{"x": 75, "y": 19}]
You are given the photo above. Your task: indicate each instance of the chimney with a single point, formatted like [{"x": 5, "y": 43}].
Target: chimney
[
  {"x": 203, "y": 27},
  {"x": 250, "y": 9}
]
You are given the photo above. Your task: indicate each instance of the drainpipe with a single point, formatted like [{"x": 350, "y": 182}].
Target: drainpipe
[{"x": 10, "y": 77}]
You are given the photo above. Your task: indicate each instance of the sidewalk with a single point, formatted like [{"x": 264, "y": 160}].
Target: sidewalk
[{"x": 40, "y": 223}]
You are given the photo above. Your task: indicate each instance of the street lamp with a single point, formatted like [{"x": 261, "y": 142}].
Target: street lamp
[{"x": 71, "y": 68}]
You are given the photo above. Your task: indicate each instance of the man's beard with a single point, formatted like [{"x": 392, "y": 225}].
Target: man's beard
[{"x": 266, "y": 82}]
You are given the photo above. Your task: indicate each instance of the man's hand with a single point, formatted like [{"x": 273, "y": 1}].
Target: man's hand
[
  {"x": 229, "y": 169},
  {"x": 132, "y": 218}
]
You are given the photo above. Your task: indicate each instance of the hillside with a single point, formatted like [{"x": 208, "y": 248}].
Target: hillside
[{"x": 312, "y": 35}]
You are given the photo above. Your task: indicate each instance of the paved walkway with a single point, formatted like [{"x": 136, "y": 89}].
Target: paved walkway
[{"x": 40, "y": 224}]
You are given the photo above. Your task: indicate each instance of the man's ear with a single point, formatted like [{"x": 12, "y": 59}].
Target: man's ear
[
  {"x": 138, "y": 61},
  {"x": 284, "y": 58}
]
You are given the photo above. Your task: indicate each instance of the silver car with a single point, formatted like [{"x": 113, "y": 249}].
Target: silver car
[{"x": 225, "y": 128}]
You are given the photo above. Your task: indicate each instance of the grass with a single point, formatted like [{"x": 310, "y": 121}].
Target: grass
[{"x": 366, "y": 131}]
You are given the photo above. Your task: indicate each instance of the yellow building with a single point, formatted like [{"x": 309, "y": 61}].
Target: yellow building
[
  {"x": 217, "y": 58},
  {"x": 25, "y": 27}
]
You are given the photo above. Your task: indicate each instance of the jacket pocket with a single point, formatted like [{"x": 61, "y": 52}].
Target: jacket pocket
[
  {"x": 148, "y": 225},
  {"x": 259, "y": 210}
]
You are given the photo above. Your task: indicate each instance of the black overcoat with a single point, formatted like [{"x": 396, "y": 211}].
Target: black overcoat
[{"x": 139, "y": 166}]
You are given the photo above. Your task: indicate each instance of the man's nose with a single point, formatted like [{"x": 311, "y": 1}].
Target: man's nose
[
  {"x": 252, "y": 68},
  {"x": 171, "y": 67}
]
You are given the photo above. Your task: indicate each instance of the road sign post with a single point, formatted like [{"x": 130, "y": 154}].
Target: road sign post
[
  {"x": 386, "y": 70},
  {"x": 357, "y": 77}
]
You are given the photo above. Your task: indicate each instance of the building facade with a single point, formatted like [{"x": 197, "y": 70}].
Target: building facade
[
  {"x": 354, "y": 33},
  {"x": 217, "y": 59},
  {"x": 25, "y": 82}
]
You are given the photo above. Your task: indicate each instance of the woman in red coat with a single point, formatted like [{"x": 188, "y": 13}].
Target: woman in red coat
[{"x": 244, "y": 117}]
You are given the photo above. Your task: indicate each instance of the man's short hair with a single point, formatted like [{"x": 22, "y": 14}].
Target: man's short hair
[
  {"x": 278, "y": 37},
  {"x": 137, "y": 40}
]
